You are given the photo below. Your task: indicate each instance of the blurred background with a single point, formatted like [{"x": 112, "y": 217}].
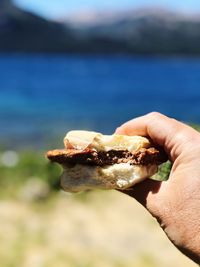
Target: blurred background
[{"x": 86, "y": 64}]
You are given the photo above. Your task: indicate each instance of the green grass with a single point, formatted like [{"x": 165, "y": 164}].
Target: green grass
[{"x": 31, "y": 165}]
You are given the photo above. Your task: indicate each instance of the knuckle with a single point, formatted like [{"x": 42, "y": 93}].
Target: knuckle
[
  {"x": 154, "y": 114},
  {"x": 118, "y": 130}
]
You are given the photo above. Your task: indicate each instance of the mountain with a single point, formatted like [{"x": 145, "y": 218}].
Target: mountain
[
  {"x": 148, "y": 31},
  {"x": 145, "y": 31},
  {"x": 23, "y": 31}
]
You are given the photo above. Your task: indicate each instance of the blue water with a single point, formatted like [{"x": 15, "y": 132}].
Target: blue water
[{"x": 42, "y": 97}]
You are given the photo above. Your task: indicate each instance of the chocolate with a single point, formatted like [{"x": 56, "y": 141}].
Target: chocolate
[{"x": 144, "y": 156}]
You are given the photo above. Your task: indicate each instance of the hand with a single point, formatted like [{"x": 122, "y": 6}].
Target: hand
[{"x": 176, "y": 202}]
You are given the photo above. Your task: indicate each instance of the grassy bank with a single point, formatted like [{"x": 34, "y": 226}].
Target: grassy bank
[{"x": 29, "y": 170}]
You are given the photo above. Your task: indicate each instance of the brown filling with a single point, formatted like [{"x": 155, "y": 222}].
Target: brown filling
[{"x": 144, "y": 156}]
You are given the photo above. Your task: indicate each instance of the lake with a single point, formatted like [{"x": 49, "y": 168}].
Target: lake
[{"x": 44, "y": 96}]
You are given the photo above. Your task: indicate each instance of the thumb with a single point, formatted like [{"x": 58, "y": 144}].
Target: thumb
[{"x": 169, "y": 133}]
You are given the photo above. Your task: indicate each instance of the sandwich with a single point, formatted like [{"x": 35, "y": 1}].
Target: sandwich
[{"x": 92, "y": 160}]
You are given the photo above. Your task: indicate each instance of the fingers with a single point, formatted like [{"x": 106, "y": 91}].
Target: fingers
[
  {"x": 164, "y": 131},
  {"x": 155, "y": 125}
]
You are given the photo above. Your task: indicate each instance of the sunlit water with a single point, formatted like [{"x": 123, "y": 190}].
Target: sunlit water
[{"x": 42, "y": 97}]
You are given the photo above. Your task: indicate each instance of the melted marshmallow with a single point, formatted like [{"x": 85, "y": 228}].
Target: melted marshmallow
[{"x": 100, "y": 142}]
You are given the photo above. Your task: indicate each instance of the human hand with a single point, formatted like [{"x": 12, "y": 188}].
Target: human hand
[{"x": 174, "y": 203}]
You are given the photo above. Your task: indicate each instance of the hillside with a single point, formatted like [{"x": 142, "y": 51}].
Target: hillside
[
  {"x": 135, "y": 32},
  {"x": 147, "y": 32},
  {"x": 22, "y": 31}
]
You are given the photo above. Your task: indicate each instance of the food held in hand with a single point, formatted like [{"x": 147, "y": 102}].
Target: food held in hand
[{"x": 93, "y": 160}]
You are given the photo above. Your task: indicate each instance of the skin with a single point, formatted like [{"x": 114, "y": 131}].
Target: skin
[{"x": 174, "y": 203}]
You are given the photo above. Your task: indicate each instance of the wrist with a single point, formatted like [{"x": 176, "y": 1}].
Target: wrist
[{"x": 183, "y": 229}]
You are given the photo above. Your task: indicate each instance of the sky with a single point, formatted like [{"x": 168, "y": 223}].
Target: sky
[{"x": 58, "y": 8}]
